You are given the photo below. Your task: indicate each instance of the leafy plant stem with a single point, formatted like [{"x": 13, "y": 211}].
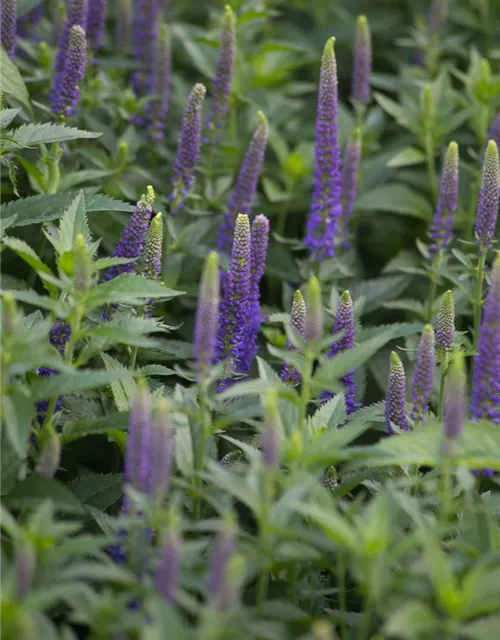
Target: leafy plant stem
[
  {"x": 133, "y": 357},
  {"x": 442, "y": 386},
  {"x": 304, "y": 396},
  {"x": 433, "y": 287},
  {"x": 204, "y": 424},
  {"x": 53, "y": 171},
  {"x": 478, "y": 298},
  {"x": 431, "y": 166},
  {"x": 364, "y": 627}
]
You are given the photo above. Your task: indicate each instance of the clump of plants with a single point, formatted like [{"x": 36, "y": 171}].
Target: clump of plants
[{"x": 250, "y": 346}]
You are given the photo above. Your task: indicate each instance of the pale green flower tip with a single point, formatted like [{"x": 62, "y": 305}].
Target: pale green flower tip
[
  {"x": 346, "y": 297},
  {"x": 452, "y": 152},
  {"x": 491, "y": 155},
  {"x": 150, "y": 195},
  {"x": 229, "y": 17},
  {"x": 428, "y": 329},
  {"x": 262, "y": 120},
  {"x": 298, "y": 298},
  {"x": 396, "y": 364}
]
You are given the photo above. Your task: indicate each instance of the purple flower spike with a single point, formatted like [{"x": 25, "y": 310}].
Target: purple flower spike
[
  {"x": 162, "y": 457},
  {"x": 30, "y": 20},
  {"x": 362, "y": 63},
  {"x": 395, "y": 413},
  {"x": 350, "y": 172},
  {"x": 77, "y": 15},
  {"x": 188, "y": 150},
  {"x": 260, "y": 240},
  {"x": 424, "y": 373},
  {"x": 207, "y": 316},
  {"x": 442, "y": 225},
  {"x": 326, "y": 208},
  {"x": 246, "y": 184},
  {"x": 96, "y": 20},
  {"x": 271, "y": 435},
  {"x": 169, "y": 568},
  {"x": 489, "y": 196},
  {"x": 154, "y": 248},
  {"x": 157, "y": 109},
  {"x": 298, "y": 318},
  {"x": 59, "y": 335},
  {"x": 223, "y": 77},
  {"x": 438, "y": 12},
  {"x": 8, "y": 27},
  {"x": 233, "y": 318},
  {"x": 225, "y": 546},
  {"x": 146, "y": 29},
  {"x": 139, "y": 445},
  {"x": 486, "y": 379},
  {"x": 494, "y": 133},
  {"x": 454, "y": 408},
  {"x": 131, "y": 244},
  {"x": 314, "y": 322},
  {"x": 445, "y": 324},
  {"x": 66, "y": 90},
  {"x": 344, "y": 322}
]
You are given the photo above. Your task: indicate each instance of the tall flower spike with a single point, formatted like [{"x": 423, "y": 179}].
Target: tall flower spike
[
  {"x": 223, "y": 77},
  {"x": 95, "y": 23},
  {"x": 66, "y": 90},
  {"x": 225, "y": 546},
  {"x": 188, "y": 150},
  {"x": 131, "y": 244},
  {"x": 314, "y": 322},
  {"x": 442, "y": 225},
  {"x": 395, "y": 413},
  {"x": 77, "y": 15},
  {"x": 146, "y": 29},
  {"x": 27, "y": 23},
  {"x": 489, "y": 197},
  {"x": 326, "y": 207},
  {"x": 362, "y": 63},
  {"x": 289, "y": 372},
  {"x": 233, "y": 317},
  {"x": 124, "y": 25},
  {"x": 271, "y": 435},
  {"x": 25, "y": 566},
  {"x": 139, "y": 444},
  {"x": 8, "y": 26},
  {"x": 158, "y": 108},
  {"x": 445, "y": 324},
  {"x": 162, "y": 457},
  {"x": 59, "y": 335},
  {"x": 438, "y": 12},
  {"x": 207, "y": 315},
  {"x": 83, "y": 265},
  {"x": 424, "y": 374},
  {"x": 154, "y": 248},
  {"x": 350, "y": 172},
  {"x": 454, "y": 408},
  {"x": 486, "y": 379},
  {"x": 246, "y": 184},
  {"x": 260, "y": 240},
  {"x": 50, "y": 454},
  {"x": 344, "y": 322},
  {"x": 169, "y": 567}
]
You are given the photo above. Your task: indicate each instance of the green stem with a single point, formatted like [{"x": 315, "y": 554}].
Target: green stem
[
  {"x": 133, "y": 357},
  {"x": 364, "y": 627},
  {"x": 431, "y": 167},
  {"x": 478, "y": 298},
  {"x": 53, "y": 171},
  {"x": 341, "y": 575},
  {"x": 264, "y": 572},
  {"x": 200, "y": 457},
  {"x": 304, "y": 396},
  {"x": 444, "y": 369},
  {"x": 433, "y": 288}
]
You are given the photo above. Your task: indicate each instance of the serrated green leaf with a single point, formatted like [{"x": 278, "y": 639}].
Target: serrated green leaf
[
  {"x": 396, "y": 198},
  {"x": 378, "y": 290},
  {"x": 29, "y": 256},
  {"x": 72, "y": 223},
  {"x": 93, "y": 426},
  {"x": 36, "y": 488},
  {"x": 407, "y": 157},
  {"x": 130, "y": 289},
  {"x": 18, "y": 412},
  {"x": 76, "y": 178},
  {"x": 5, "y": 223},
  {"x": 123, "y": 389},
  {"x": 99, "y": 490},
  {"x": 34, "y": 134},
  {"x": 44, "y": 208},
  {"x": 7, "y": 115},
  {"x": 11, "y": 82},
  {"x": 66, "y": 383}
]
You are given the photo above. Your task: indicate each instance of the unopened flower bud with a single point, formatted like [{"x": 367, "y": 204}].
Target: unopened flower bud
[{"x": 50, "y": 454}]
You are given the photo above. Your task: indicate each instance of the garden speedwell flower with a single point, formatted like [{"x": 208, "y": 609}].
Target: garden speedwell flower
[
  {"x": 344, "y": 322},
  {"x": 169, "y": 567},
  {"x": 271, "y": 434},
  {"x": 152, "y": 256},
  {"x": 157, "y": 109},
  {"x": 77, "y": 15},
  {"x": 246, "y": 184},
  {"x": 486, "y": 379},
  {"x": 131, "y": 244},
  {"x": 162, "y": 454},
  {"x": 395, "y": 413},
  {"x": 138, "y": 457},
  {"x": 362, "y": 63},
  {"x": 124, "y": 24},
  {"x": 146, "y": 29},
  {"x": 289, "y": 372},
  {"x": 424, "y": 374},
  {"x": 225, "y": 546},
  {"x": 96, "y": 19},
  {"x": 59, "y": 335},
  {"x": 489, "y": 197},
  {"x": 188, "y": 150},
  {"x": 350, "y": 172},
  {"x": 8, "y": 26},
  {"x": 442, "y": 225},
  {"x": 207, "y": 316},
  {"x": 233, "y": 317},
  {"x": 326, "y": 208},
  {"x": 259, "y": 242},
  {"x": 314, "y": 318},
  {"x": 445, "y": 324},
  {"x": 223, "y": 77},
  {"x": 66, "y": 91}
]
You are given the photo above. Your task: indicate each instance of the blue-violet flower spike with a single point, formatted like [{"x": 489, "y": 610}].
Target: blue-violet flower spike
[
  {"x": 350, "y": 173},
  {"x": 157, "y": 109},
  {"x": 362, "y": 63},
  {"x": 138, "y": 455},
  {"x": 489, "y": 196},
  {"x": 442, "y": 225},
  {"x": 207, "y": 316},
  {"x": 314, "y": 322},
  {"x": 445, "y": 324},
  {"x": 424, "y": 374},
  {"x": 169, "y": 567},
  {"x": 395, "y": 413},
  {"x": 298, "y": 318},
  {"x": 162, "y": 457},
  {"x": 66, "y": 90},
  {"x": 96, "y": 19},
  {"x": 454, "y": 407},
  {"x": 8, "y": 26}
]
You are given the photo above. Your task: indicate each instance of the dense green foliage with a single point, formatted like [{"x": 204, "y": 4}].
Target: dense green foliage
[{"x": 335, "y": 528}]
